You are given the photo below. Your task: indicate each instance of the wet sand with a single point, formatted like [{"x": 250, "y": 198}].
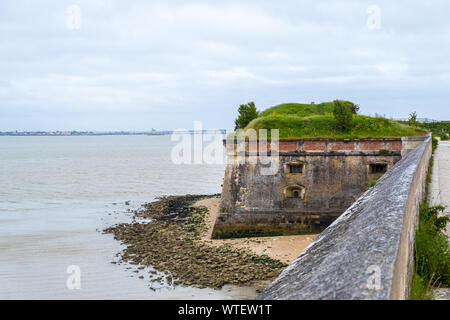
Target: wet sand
[{"x": 283, "y": 248}]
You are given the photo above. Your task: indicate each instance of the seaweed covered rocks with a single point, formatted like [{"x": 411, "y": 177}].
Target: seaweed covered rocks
[{"x": 170, "y": 243}]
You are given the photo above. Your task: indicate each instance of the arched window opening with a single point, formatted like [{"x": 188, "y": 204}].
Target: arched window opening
[{"x": 295, "y": 192}]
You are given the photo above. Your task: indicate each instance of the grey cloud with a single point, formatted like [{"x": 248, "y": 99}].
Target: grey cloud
[{"x": 137, "y": 65}]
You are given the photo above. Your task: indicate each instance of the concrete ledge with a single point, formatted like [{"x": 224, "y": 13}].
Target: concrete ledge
[{"x": 367, "y": 253}]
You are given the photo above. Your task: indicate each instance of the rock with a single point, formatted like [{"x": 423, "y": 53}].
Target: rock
[{"x": 169, "y": 243}]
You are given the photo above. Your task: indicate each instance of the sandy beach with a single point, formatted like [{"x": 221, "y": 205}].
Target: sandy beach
[{"x": 283, "y": 248}]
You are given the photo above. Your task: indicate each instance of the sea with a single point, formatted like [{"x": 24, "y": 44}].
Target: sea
[{"x": 57, "y": 194}]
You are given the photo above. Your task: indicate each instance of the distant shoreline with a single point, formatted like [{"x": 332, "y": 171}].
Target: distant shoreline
[{"x": 101, "y": 133}]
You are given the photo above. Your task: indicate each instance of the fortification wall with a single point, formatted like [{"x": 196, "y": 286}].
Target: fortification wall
[
  {"x": 367, "y": 253},
  {"x": 334, "y": 174},
  {"x": 327, "y": 186}
]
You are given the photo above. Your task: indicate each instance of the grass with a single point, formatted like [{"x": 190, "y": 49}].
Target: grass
[
  {"x": 316, "y": 121},
  {"x": 299, "y": 109},
  {"x": 421, "y": 290},
  {"x": 431, "y": 253},
  {"x": 434, "y": 144},
  {"x": 431, "y": 247}
]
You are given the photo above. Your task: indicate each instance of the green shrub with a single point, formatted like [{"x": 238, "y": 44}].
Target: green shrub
[
  {"x": 420, "y": 289},
  {"x": 413, "y": 119},
  {"x": 429, "y": 175},
  {"x": 435, "y": 143},
  {"x": 432, "y": 251},
  {"x": 343, "y": 115},
  {"x": 372, "y": 183},
  {"x": 247, "y": 112}
]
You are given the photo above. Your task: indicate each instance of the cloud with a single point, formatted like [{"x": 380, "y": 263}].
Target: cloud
[{"x": 173, "y": 61}]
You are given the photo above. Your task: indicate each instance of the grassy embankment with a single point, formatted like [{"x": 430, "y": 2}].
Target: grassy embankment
[
  {"x": 431, "y": 249},
  {"x": 316, "y": 121}
]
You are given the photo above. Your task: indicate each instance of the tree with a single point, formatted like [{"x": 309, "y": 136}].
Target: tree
[
  {"x": 247, "y": 112},
  {"x": 354, "y": 107},
  {"x": 412, "y": 119},
  {"x": 343, "y": 114}
]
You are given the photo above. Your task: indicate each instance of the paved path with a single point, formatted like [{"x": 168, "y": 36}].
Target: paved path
[{"x": 440, "y": 193}]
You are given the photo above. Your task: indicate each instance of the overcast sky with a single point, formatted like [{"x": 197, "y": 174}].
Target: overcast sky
[{"x": 137, "y": 65}]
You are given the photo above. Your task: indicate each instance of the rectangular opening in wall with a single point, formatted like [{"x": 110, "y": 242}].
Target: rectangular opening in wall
[
  {"x": 378, "y": 168},
  {"x": 296, "y": 168}
]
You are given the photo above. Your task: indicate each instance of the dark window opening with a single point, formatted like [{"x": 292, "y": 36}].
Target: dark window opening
[
  {"x": 296, "y": 168},
  {"x": 295, "y": 192},
  {"x": 378, "y": 168}
]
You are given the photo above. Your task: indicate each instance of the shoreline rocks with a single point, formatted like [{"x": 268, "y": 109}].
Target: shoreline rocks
[{"x": 170, "y": 243}]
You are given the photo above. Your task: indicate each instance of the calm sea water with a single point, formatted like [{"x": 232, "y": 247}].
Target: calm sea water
[{"x": 58, "y": 193}]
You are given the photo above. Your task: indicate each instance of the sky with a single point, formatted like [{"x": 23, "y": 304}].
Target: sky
[{"x": 136, "y": 65}]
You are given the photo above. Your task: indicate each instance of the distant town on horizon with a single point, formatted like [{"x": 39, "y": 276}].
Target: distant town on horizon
[{"x": 104, "y": 133}]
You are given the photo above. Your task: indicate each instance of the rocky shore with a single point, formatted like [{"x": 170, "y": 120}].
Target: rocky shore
[{"x": 167, "y": 236}]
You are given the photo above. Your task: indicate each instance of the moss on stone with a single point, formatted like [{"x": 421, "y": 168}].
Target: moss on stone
[{"x": 225, "y": 231}]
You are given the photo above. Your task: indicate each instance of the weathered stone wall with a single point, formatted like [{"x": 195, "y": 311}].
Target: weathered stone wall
[
  {"x": 367, "y": 253},
  {"x": 331, "y": 184},
  {"x": 335, "y": 173}
]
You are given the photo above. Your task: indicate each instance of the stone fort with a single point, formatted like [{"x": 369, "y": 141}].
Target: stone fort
[{"x": 316, "y": 181}]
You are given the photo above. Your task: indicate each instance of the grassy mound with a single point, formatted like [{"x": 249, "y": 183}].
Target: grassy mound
[
  {"x": 299, "y": 109},
  {"x": 316, "y": 121}
]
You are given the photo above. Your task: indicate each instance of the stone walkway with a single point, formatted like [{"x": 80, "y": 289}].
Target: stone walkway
[{"x": 440, "y": 193}]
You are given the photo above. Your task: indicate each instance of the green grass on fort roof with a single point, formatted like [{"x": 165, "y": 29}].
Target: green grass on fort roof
[
  {"x": 300, "y": 109},
  {"x": 316, "y": 121}
]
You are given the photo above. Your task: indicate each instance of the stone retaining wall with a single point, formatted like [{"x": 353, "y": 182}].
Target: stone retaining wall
[{"x": 367, "y": 253}]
